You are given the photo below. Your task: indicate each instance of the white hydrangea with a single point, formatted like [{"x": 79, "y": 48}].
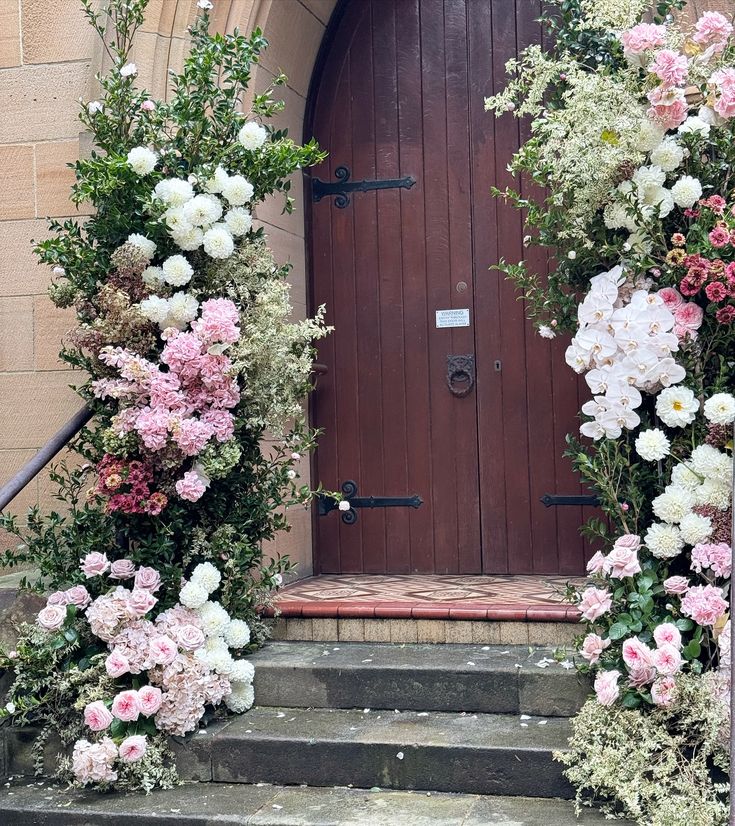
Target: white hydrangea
[
  {"x": 142, "y": 160},
  {"x": 183, "y": 309},
  {"x": 218, "y": 242},
  {"x": 188, "y": 240},
  {"x": 238, "y": 221},
  {"x": 242, "y": 672},
  {"x": 207, "y": 575},
  {"x": 220, "y": 661},
  {"x": 663, "y": 541},
  {"x": 720, "y": 409},
  {"x": 237, "y": 190},
  {"x": 203, "y": 210},
  {"x": 217, "y": 181},
  {"x": 174, "y": 192},
  {"x": 686, "y": 191},
  {"x": 145, "y": 245},
  {"x": 241, "y": 698},
  {"x": 155, "y": 309},
  {"x": 252, "y": 135},
  {"x": 152, "y": 276},
  {"x": 237, "y": 634},
  {"x": 695, "y": 528},
  {"x": 668, "y": 155},
  {"x": 683, "y": 477},
  {"x": 177, "y": 271},
  {"x": 673, "y": 504},
  {"x": 213, "y": 618},
  {"x": 712, "y": 492},
  {"x": 193, "y": 595},
  {"x": 676, "y": 406},
  {"x": 652, "y": 445}
]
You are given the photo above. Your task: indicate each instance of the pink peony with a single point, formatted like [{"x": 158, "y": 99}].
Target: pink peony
[
  {"x": 592, "y": 648},
  {"x": 57, "y": 598},
  {"x": 148, "y": 578},
  {"x": 663, "y": 691},
  {"x": 641, "y": 38},
  {"x": 163, "y": 650},
  {"x": 132, "y": 748},
  {"x": 667, "y": 634},
  {"x": 122, "y": 569},
  {"x": 78, "y": 595},
  {"x": 670, "y": 67},
  {"x": 636, "y": 654},
  {"x": 667, "y": 660},
  {"x": 676, "y": 585},
  {"x": 141, "y": 602},
  {"x": 94, "y": 564},
  {"x": 622, "y": 562},
  {"x": 704, "y": 604},
  {"x": 52, "y": 617},
  {"x": 606, "y": 687},
  {"x": 116, "y": 665},
  {"x": 712, "y": 29},
  {"x": 595, "y": 602},
  {"x": 596, "y": 565},
  {"x": 191, "y": 487},
  {"x": 126, "y": 706},
  {"x": 149, "y": 699},
  {"x": 97, "y": 716}
]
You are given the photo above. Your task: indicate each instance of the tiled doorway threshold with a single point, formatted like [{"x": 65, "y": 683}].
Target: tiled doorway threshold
[{"x": 429, "y": 597}]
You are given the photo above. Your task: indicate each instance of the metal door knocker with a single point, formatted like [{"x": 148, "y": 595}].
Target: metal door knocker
[{"x": 461, "y": 374}]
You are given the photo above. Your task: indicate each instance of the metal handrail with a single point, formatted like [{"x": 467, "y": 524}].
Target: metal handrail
[{"x": 33, "y": 466}]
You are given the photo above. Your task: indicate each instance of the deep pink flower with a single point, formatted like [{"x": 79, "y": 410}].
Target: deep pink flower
[
  {"x": 719, "y": 237},
  {"x": 715, "y": 291},
  {"x": 726, "y": 315}
]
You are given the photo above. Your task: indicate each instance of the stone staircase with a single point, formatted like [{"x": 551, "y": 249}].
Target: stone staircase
[{"x": 359, "y": 733}]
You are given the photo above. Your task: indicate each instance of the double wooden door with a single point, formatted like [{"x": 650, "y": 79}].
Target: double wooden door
[{"x": 470, "y": 418}]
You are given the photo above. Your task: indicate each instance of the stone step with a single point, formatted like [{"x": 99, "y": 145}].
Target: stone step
[
  {"x": 477, "y": 678},
  {"x": 434, "y": 751},
  {"x": 220, "y": 803}
]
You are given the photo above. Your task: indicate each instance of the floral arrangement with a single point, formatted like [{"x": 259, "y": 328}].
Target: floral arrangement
[
  {"x": 156, "y": 568},
  {"x": 632, "y": 143}
]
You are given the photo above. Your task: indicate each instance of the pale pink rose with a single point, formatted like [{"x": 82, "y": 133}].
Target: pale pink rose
[
  {"x": 592, "y": 648},
  {"x": 148, "y": 579},
  {"x": 629, "y": 541},
  {"x": 689, "y": 315},
  {"x": 148, "y": 106},
  {"x": 667, "y": 660},
  {"x": 116, "y": 665},
  {"x": 595, "y": 602},
  {"x": 52, "y": 617},
  {"x": 122, "y": 569},
  {"x": 712, "y": 29},
  {"x": 663, "y": 691},
  {"x": 667, "y": 634},
  {"x": 704, "y": 604},
  {"x": 636, "y": 654},
  {"x": 640, "y": 676},
  {"x": 133, "y": 748},
  {"x": 676, "y": 585},
  {"x": 126, "y": 707},
  {"x": 189, "y": 637},
  {"x": 606, "y": 687},
  {"x": 78, "y": 595},
  {"x": 141, "y": 602},
  {"x": 163, "y": 650},
  {"x": 97, "y": 716},
  {"x": 94, "y": 564},
  {"x": 672, "y": 298},
  {"x": 622, "y": 562},
  {"x": 670, "y": 67},
  {"x": 596, "y": 565},
  {"x": 57, "y": 598},
  {"x": 149, "y": 698}
]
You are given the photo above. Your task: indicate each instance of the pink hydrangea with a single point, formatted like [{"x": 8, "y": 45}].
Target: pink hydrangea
[
  {"x": 724, "y": 82},
  {"x": 133, "y": 642},
  {"x": 668, "y": 106},
  {"x": 606, "y": 687},
  {"x": 712, "y": 30},
  {"x": 663, "y": 691},
  {"x": 667, "y": 634},
  {"x": 716, "y": 557},
  {"x": 191, "y": 435},
  {"x": 93, "y": 762},
  {"x": 592, "y": 648},
  {"x": 191, "y": 487},
  {"x": 677, "y": 585},
  {"x": 670, "y": 67},
  {"x": 641, "y": 38},
  {"x": 125, "y": 706},
  {"x": 94, "y": 564},
  {"x": 97, "y": 716},
  {"x": 595, "y": 602},
  {"x": 107, "y": 612},
  {"x": 133, "y": 748},
  {"x": 704, "y": 604}
]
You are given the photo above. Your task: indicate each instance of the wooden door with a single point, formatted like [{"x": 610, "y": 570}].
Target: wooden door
[{"x": 399, "y": 92}]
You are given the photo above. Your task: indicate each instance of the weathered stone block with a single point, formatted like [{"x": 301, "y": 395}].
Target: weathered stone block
[{"x": 17, "y": 195}]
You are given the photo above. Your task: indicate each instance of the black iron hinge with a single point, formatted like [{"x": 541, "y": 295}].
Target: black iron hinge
[
  {"x": 327, "y": 504},
  {"x": 321, "y": 189}
]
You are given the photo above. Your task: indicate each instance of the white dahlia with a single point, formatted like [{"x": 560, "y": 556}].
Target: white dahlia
[
  {"x": 720, "y": 409},
  {"x": 217, "y": 181},
  {"x": 695, "y": 528},
  {"x": 673, "y": 504},
  {"x": 154, "y": 308},
  {"x": 174, "y": 192},
  {"x": 218, "y": 242},
  {"x": 676, "y": 406},
  {"x": 152, "y": 276},
  {"x": 220, "y": 661},
  {"x": 712, "y": 492},
  {"x": 176, "y": 220},
  {"x": 238, "y": 221},
  {"x": 237, "y": 633},
  {"x": 207, "y": 575},
  {"x": 668, "y": 155},
  {"x": 188, "y": 240},
  {"x": 694, "y": 126},
  {"x": 203, "y": 210},
  {"x": 192, "y": 595},
  {"x": 649, "y": 136},
  {"x": 177, "y": 271},
  {"x": 237, "y": 190},
  {"x": 213, "y": 618},
  {"x": 142, "y": 160},
  {"x": 145, "y": 245},
  {"x": 241, "y": 698},
  {"x": 705, "y": 460},
  {"x": 663, "y": 541},
  {"x": 683, "y": 477},
  {"x": 252, "y": 135},
  {"x": 652, "y": 445},
  {"x": 183, "y": 309},
  {"x": 242, "y": 672},
  {"x": 648, "y": 177},
  {"x": 686, "y": 191}
]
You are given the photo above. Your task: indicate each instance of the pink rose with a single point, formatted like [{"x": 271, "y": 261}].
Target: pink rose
[
  {"x": 622, "y": 562},
  {"x": 596, "y": 565},
  {"x": 141, "y": 602},
  {"x": 57, "y": 598},
  {"x": 97, "y": 716},
  {"x": 132, "y": 748},
  {"x": 148, "y": 579},
  {"x": 667, "y": 660},
  {"x": 189, "y": 637},
  {"x": 636, "y": 654},
  {"x": 663, "y": 691},
  {"x": 606, "y": 687},
  {"x": 126, "y": 707},
  {"x": 667, "y": 634},
  {"x": 116, "y": 665},
  {"x": 676, "y": 585},
  {"x": 149, "y": 699},
  {"x": 148, "y": 106},
  {"x": 52, "y": 617},
  {"x": 163, "y": 650},
  {"x": 642, "y": 675},
  {"x": 595, "y": 602},
  {"x": 94, "y": 564},
  {"x": 78, "y": 595},
  {"x": 592, "y": 648},
  {"x": 672, "y": 298},
  {"x": 122, "y": 569},
  {"x": 628, "y": 541}
]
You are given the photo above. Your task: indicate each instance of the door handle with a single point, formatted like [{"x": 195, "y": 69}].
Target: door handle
[{"x": 461, "y": 374}]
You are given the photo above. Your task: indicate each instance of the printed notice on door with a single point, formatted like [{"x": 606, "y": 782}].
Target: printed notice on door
[{"x": 453, "y": 318}]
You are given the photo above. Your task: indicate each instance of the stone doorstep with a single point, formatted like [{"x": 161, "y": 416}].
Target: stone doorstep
[
  {"x": 31, "y": 804},
  {"x": 471, "y": 678}
]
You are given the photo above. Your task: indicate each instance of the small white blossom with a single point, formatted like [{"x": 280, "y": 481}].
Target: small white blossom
[
  {"x": 720, "y": 409},
  {"x": 174, "y": 192},
  {"x": 128, "y": 70},
  {"x": 546, "y": 332},
  {"x": 344, "y": 505},
  {"x": 152, "y": 276},
  {"x": 95, "y": 106}
]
